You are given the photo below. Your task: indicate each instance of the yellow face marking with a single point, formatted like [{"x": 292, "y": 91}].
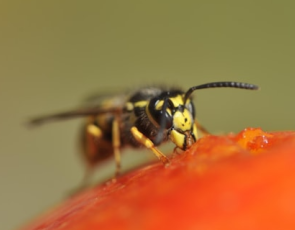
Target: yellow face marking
[
  {"x": 183, "y": 123},
  {"x": 182, "y": 120},
  {"x": 183, "y": 139},
  {"x": 177, "y": 101},
  {"x": 177, "y": 138}
]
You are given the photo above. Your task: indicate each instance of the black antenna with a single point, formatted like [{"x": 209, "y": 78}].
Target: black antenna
[{"x": 221, "y": 84}]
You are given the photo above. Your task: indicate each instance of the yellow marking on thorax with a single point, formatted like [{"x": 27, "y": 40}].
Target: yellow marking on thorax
[
  {"x": 129, "y": 106},
  {"x": 140, "y": 103},
  {"x": 94, "y": 130}
]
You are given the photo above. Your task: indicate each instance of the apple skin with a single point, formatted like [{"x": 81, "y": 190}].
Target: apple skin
[{"x": 244, "y": 181}]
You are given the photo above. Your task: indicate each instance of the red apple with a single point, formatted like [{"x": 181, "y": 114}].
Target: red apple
[{"x": 244, "y": 181}]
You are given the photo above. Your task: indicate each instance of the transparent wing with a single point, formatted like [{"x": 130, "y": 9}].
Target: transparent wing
[
  {"x": 94, "y": 106},
  {"x": 74, "y": 114}
]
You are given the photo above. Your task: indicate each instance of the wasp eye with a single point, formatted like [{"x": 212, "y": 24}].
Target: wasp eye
[
  {"x": 160, "y": 115},
  {"x": 191, "y": 108}
]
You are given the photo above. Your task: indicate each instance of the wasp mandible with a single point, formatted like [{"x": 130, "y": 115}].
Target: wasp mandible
[{"x": 148, "y": 117}]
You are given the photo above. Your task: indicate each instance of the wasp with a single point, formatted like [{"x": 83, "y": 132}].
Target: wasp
[{"x": 147, "y": 117}]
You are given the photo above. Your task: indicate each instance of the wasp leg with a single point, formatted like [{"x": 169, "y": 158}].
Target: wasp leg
[
  {"x": 86, "y": 179},
  {"x": 201, "y": 128},
  {"x": 116, "y": 145},
  {"x": 148, "y": 144},
  {"x": 92, "y": 133}
]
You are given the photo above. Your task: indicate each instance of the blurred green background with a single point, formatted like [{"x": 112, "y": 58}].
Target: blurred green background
[{"x": 55, "y": 53}]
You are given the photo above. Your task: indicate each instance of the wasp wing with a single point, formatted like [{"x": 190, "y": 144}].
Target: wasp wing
[
  {"x": 93, "y": 106},
  {"x": 74, "y": 114}
]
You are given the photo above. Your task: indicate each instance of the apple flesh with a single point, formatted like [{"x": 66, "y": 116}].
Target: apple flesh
[{"x": 243, "y": 181}]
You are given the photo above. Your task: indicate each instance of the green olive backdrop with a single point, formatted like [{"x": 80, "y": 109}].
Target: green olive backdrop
[{"x": 55, "y": 53}]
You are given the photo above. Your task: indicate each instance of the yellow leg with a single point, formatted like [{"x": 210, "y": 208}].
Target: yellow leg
[
  {"x": 116, "y": 145},
  {"x": 148, "y": 144}
]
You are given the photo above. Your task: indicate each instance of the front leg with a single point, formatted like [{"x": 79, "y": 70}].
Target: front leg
[{"x": 142, "y": 139}]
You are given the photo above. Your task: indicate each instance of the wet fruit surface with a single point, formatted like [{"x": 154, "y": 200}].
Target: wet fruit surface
[{"x": 243, "y": 181}]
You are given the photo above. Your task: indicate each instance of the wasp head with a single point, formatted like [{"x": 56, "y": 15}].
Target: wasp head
[
  {"x": 174, "y": 111},
  {"x": 169, "y": 112}
]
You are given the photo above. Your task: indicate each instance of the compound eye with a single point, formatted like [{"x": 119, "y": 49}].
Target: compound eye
[
  {"x": 191, "y": 108},
  {"x": 160, "y": 114},
  {"x": 168, "y": 120}
]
